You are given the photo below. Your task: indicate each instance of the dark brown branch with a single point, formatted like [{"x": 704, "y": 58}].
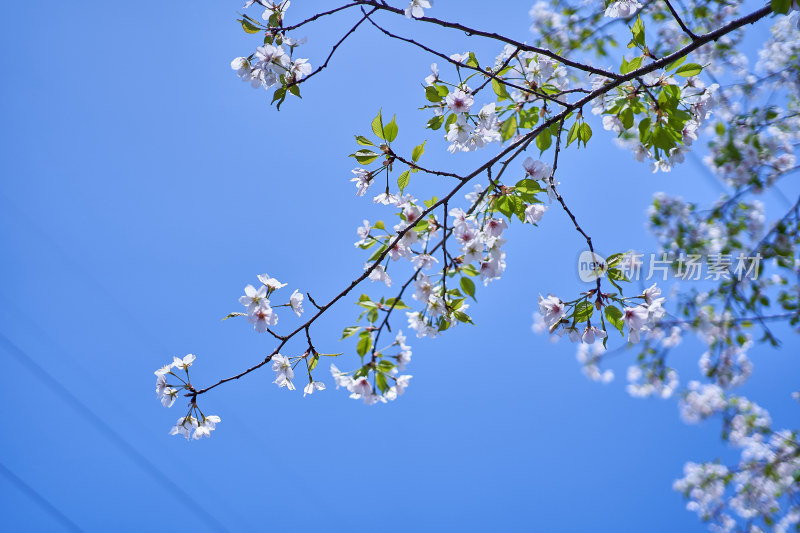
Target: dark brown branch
[
  {"x": 496, "y": 37},
  {"x": 564, "y": 204},
  {"x": 283, "y": 29},
  {"x": 677, "y": 18},
  {"x": 333, "y": 50}
]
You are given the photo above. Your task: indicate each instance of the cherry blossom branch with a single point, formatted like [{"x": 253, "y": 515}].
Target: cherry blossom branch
[
  {"x": 495, "y": 36},
  {"x": 513, "y": 149},
  {"x": 489, "y": 73}
]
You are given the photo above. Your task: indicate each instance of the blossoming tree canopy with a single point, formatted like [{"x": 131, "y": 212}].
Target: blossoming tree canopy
[{"x": 676, "y": 79}]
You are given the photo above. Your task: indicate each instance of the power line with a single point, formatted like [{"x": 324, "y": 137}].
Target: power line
[
  {"x": 140, "y": 460},
  {"x": 40, "y": 500}
]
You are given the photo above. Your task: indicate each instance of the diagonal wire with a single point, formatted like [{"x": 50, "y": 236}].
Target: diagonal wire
[
  {"x": 40, "y": 500},
  {"x": 140, "y": 460}
]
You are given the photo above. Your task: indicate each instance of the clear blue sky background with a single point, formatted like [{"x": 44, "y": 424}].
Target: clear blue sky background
[{"x": 143, "y": 186}]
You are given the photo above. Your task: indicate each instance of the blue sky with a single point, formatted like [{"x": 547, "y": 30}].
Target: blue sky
[{"x": 144, "y": 186}]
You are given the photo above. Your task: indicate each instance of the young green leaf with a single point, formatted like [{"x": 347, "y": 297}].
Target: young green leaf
[
  {"x": 583, "y": 311},
  {"x": 689, "y": 69},
  {"x": 249, "y": 27},
  {"x": 432, "y": 94},
  {"x": 573, "y": 133},
  {"x": 468, "y": 286},
  {"x": 390, "y": 130},
  {"x": 365, "y": 157},
  {"x": 500, "y": 91},
  {"x": 544, "y": 140},
  {"x": 403, "y": 179},
  {"x": 614, "y": 316},
  {"x": 509, "y": 128},
  {"x": 377, "y": 126},
  {"x": 418, "y": 151},
  {"x": 364, "y": 343}
]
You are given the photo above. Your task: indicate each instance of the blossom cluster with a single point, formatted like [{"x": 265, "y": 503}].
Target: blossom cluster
[
  {"x": 273, "y": 63},
  {"x": 529, "y": 76},
  {"x": 762, "y": 488},
  {"x": 565, "y": 318},
  {"x": 259, "y": 311},
  {"x": 195, "y": 424}
]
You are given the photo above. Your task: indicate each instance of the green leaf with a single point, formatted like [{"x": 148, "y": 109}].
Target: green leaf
[
  {"x": 365, "y": 157},
  {"x": 689, "y": 69},
  {"x": 468, "y": 286},
  {"x": 470, "y": 270},
  {"x": 615, "y": 259},
  {"x": 472, "y": 61},
  {"x": 528, "y": 118},
  {"x": 385, "y": 366},
  {"x": 436, "y": 122},
  {"x": 314, "y": 361},
  {"x": 662, "y": 138},
  {"x": 509, "y": 128},
  {"x": 781, "y": 6},
  {"x": 630, "y": 66},
  {"x": 528, "y": 186},
  {"x": 614, "y": 316},
  {"x": 675, "y": 64},
  {"x": 364, "y": 343},
  {"x": 500, "y": 90},
  {"x": 584, "y": 133},
  {"x": 462, "y": 317},
  {"x": 377, "y": 126},
  {"x": 390, "y": 130},
  {"x": 363, "y": 141},
  {"x": 349, "y": 331},
  {"x": 544, "y": 140},
  {"x": 638, "y": 32},
  {"x": 644, "y": 129},
  {"x": 377, "y": 253},
  {"x": 573, "y": 133},
  {"x": 504, "y": 205},
  {"x": 626, "y": 117},
  {"x": 330, "y": 354},
  {"x": 249, "y": 27},
  {"x": 432, "y": 94},
  {"x": 403, "y": 179},
  {"x": 517, "y": 207},
  {"x": 418, "y": 151},
  {"x": 451, "y": 118},
  {"x": 616, "y": 274},
  {"x": 280, "y": 96},
  {"x": 380, "y": 380},
  {"x": 583, "y": 311},
  {"x": 397, "y": 305},
  {"x": 231, "y": 315}
]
